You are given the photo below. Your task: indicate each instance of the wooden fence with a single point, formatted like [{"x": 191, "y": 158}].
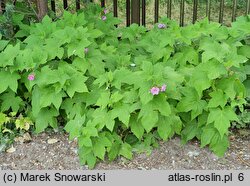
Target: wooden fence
[{"x": 136, "y": 9}]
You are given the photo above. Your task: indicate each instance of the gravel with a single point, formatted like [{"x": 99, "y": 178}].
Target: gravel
[{"x": 54, "y": 151}]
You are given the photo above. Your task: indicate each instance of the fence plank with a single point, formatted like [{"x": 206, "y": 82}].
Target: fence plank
[
  {"x": 78, "y": 5},
  {"x": 115, "y": 6},
  {"x": 169, "y": 8},
  {"x": 2, "y": 6},
  {"x": 221, "y": 11},
  {"x": 102, "y": 3},
  {"x": 42, "y": 9},
  {"x": 53, "y": 5},
  {"x": 156, "y": 11},
  {"x": 135, "y": 11},
  {"x": 208, "y": 9},
  {"x": 182, "y": 6},
  {"x": 65, "y": 4},
  {"x": 195, "y": 9},
  {"x": 144, "y": 12},
  {"x": 248, "y": 7},
  {"x": 234, "y": 10},
  {"x": 127, "y": 12}
]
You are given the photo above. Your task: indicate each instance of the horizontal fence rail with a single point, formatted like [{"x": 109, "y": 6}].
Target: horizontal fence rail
[{"x": 136, "y": 9}]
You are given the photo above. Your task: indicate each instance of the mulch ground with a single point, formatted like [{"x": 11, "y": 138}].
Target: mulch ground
[{"x": 55, "y": 151}]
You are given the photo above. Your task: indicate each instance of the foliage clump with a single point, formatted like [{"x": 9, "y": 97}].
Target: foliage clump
[{"x": 119, "y": 90}]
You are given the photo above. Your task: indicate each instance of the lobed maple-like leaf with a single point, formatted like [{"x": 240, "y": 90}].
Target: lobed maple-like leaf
[{"x": 222, "y": 119}]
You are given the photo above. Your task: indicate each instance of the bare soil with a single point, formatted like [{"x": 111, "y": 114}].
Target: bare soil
[{"x": 54, "y": 151}]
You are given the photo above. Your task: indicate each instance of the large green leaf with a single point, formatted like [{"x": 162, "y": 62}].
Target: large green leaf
[
  {"x": 8, "y": 80},
  {"x": 244, "y": 50},
  {"x": 125, "y": 76},
  {"x": 83, "y": 140},
  {"x": 217, "y": 51},
  {"x": 3, "y": 44},
  {"x": 207, "y": 135},
  {"x": 74, "y": 126},
  {"x": 200, "y": 81},
  {"x": 99, "y": 147},
  {"x": 190, "y": 131},
  {"x": 160, "y": 103},
  {"x": 104, "y": 99},
  {"x": 49, "y": 76},
  {"x": 73, "y": 106},
  {"x": 173, "y": 80},
  {"x": 109, "y": 122},
  {"x": 76, "y": 84},
  {"x": 231, "y": 86},
  {"x": 43, "y": 97},
  {"x": 87, "y": 156},
  {"x": 213, "y": 68},
  {"x": 247, "y": 85},
  {"x": 191, "y": 102},
  {"x": 10, "y": 100},
  {"x": 24, "y": 60},
  {"x": 46, "y": 117},
  {"x": 149, "y": 120},
  {"x": 114, "y": 150},
  {"x": 219, "y": 144},
  {"x": 126, "y": 151},
  {"x": 164, "y": 128},
  {"x": 121, "y": 111},
  {"x": 222, "y": 118},
  {"x": 77, "y": 47},
  {"x": 81, "y": 64},
  {"x": 136, "y": 127},
  {"x": 9, "y": 54},
  {"x": 218, "y": 98}
]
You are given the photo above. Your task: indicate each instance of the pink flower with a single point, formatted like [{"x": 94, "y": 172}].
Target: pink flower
[
  {"x": 31, "y": 77},
  {"x": 105, "y": 11},
  {"x": 104, "y": 18},
  {"x": 163, "y": 88},
  {"x": 154, "y": 90},
  {"x": 86, "y": 50},
  {"x": 161, "y": 26}
]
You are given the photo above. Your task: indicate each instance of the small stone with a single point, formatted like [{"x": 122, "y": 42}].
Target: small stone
[
  {"x": 13, "y": 165},
  {"x": 11, "y": 150},
  {"x": 27, "y": 137},
  {"x": 193, "y": 153},
  {"x": 232, "y": 138},
  {"x": 85, "y": 167},
  {"x": 141, "y": 168},
  {"x": 18, "y": 139},
  {"x": 52, "y": 141},
  {"x": 173, "y": 163},
  {"x": 75, "y": 151},
  {"x": 247, "y": 156},
  {"x": 75, "y": 139}
]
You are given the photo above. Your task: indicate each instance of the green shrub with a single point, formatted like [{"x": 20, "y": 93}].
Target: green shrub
[
  {"x": 12, "y": 125},
  {"x": 15, "y": 17},
  {"x": 119, "y": 90}
]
